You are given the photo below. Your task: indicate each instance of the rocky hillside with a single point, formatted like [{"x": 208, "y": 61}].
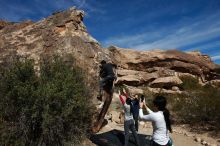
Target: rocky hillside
[
  {"x": 64, "y": 33},
  {"x": 162, "y": 69}
]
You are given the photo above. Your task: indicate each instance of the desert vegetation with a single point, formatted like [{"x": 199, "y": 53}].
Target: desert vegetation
[
  {"x": 49, "y": 108},
  {"x": 197, "y": 105}
]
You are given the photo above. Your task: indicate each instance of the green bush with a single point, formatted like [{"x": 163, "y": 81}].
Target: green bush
[
  {"x": 190, "y": 83},
  {"x": 197, "y": 105},
  {"x": 52, "y": 108},
  {"x": 201, "y": 106}
]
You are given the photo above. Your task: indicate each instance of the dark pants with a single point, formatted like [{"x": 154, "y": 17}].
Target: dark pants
[
  {"x": 103, "y": 82},
  {"x": 129, "y": 125},
  {"x": 136, "y": 121}
]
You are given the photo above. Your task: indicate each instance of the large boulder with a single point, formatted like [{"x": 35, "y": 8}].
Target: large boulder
[
  {"x": 166, "y": 82},
  {"x": 161, "y": 68},
  {"x": 162, "y": 90},
  {"x": 215, "y": 83},
  {"x": 64, "y": 33},
  {"x": 171, "y": 59},
  {"x": 135, "y": 90},
  {"x": 4, "y": 23},
  {"x": 134, "y": 77}
]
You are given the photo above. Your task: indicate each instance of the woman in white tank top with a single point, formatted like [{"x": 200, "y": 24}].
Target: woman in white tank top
[{"x": 160, "y": 121}]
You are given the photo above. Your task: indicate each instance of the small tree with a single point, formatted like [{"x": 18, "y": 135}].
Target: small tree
[
  {"x": 199, "y": 104},
  {"x": 53, "y": 108}
]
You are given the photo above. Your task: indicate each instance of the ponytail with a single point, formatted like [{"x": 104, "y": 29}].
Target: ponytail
[
  {"x": 160, "y": 102},
  {"x": 166, "y": 114}
]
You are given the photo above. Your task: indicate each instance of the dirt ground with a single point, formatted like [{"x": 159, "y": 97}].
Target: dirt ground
[{"x": 112, "y": 135}]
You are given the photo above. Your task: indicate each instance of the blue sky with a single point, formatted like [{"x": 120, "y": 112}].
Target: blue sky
[{"x": 138, "y": 24}]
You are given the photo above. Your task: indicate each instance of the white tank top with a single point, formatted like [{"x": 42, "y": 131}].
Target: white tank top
[{"x": 128, "y": 114}]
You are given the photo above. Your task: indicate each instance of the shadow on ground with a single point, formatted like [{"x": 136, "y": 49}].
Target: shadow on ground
[{"x": 116, "y": 138}]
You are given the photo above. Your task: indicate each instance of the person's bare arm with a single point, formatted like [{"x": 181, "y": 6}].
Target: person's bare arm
[
  {"x": 142, "y": 116},
  {"x": 147, "y": 108},
  {"x": 125, "y": 93},
  {"x": 121, "y": 98}
]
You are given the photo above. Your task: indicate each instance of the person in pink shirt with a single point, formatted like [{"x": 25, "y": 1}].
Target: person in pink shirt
[{"x": 129, "y": 120}]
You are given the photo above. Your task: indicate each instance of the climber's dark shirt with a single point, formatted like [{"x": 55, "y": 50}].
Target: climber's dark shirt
[{"x": 106, "y": 70}]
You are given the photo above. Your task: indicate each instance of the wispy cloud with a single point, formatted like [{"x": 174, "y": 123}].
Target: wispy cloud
[
  {"x": 173, "y": 36},
  {"x": 36, "y": 9},
  {"x": 133, "y": 40},
  {"x": 206, "y": 47},
  {"x": 80, "y": 3},
  {"x": 14, "y": 11},
  {"x": 214, "y": 58}
]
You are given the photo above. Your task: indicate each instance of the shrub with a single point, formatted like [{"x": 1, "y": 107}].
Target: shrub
[
  {"x": 53, "y": 108},
  {"x": 202, "y": 106},
  {"x": 190, "y": 83},
  {"x": 197, "y": 105}
]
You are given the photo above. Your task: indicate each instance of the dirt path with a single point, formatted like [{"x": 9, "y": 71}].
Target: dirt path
[{"x": 112, "y": 135}]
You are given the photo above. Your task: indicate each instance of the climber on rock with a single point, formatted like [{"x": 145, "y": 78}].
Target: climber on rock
[{"x": 108, "y": 75}]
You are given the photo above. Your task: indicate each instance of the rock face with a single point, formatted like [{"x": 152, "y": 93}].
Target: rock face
[
  {"x": 166, "y": 82},
  {"x": 64, "y": 34},
  {"x": 11, "y": 26},
  {"x": 4, "y": 23},
  {"x": 215, "y": 83},
  {"x": 162, "y": 69}
]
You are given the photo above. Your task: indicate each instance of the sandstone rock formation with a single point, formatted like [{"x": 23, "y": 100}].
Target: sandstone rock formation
[
  {"x": 162, "y": 69},
  {"x": 12, "y": 26},
  {"x": 4, "y": 23},
  {"x": 64, "y": 33},
  {"x": 167, "y": 82}
]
